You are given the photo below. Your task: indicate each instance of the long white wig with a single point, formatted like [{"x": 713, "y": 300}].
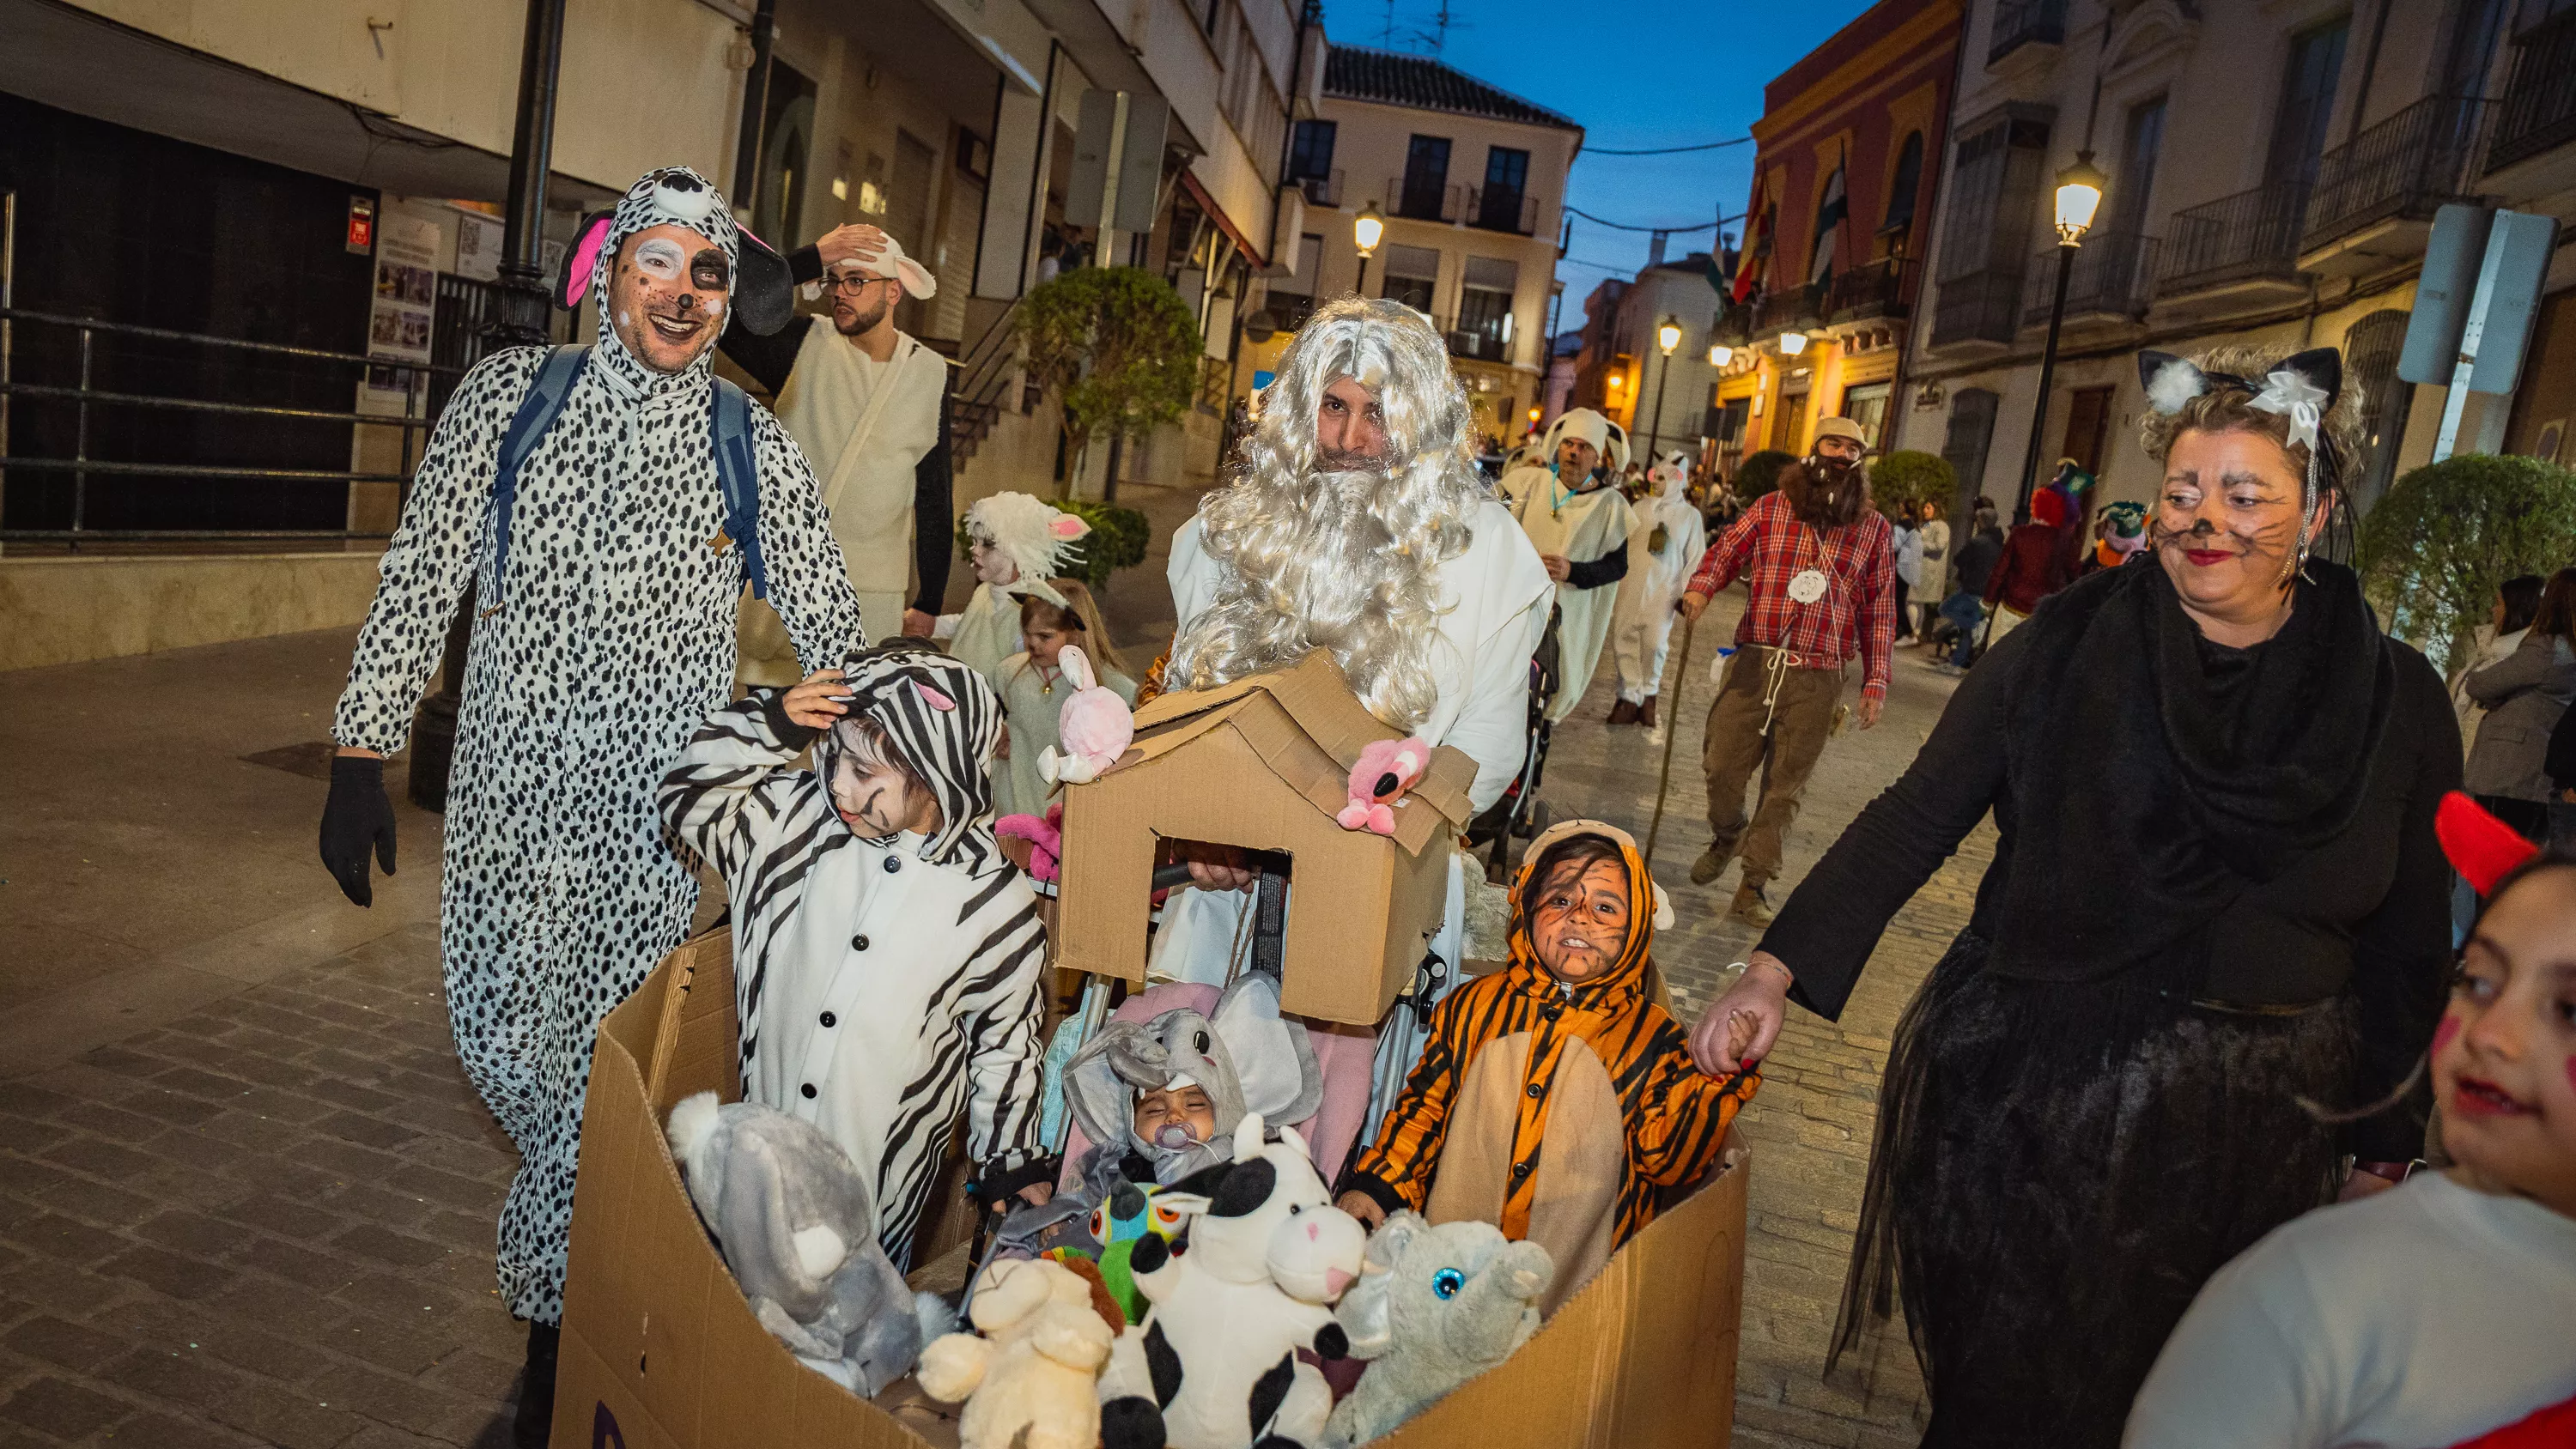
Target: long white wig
[{"x": 1343, "y": 561}]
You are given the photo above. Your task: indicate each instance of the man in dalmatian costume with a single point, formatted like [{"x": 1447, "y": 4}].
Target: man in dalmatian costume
[{"x": 603, "y": 642}]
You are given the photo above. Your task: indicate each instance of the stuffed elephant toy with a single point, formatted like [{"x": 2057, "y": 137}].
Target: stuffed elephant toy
[
  {"x": 1434, "y": 1307},
  {"x": 790, "y": 1213}
]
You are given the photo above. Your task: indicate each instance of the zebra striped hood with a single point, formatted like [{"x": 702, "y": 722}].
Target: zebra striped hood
[{"x": 944, "y": 721}]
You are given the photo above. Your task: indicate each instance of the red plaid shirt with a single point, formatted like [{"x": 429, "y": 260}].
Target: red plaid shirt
[{"x": 1769, "y": 547}]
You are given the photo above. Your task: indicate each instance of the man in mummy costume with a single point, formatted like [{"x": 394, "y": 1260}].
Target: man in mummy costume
[
  {"x": 603, "y": 636},
  {"x": 1356, "y": 522}
]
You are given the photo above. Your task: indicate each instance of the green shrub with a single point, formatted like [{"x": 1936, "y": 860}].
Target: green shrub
[
  {"x": 1116, "y": 346},
  {"x": 1906, "y": 476},
  {"x": 2434, "y": 551},
  {"x": 1760, "y": 473}
]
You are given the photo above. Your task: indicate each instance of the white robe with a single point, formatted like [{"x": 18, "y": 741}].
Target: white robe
[
  {"x": 985, "y": 632},
  {"x": 1641, "y": 628},
  {"x": 867, "y": 483},
  {"x": 1581, "y": 529}
]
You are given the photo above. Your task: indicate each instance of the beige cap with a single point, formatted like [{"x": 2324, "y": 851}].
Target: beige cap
[{"x": 1841, "y": 428}]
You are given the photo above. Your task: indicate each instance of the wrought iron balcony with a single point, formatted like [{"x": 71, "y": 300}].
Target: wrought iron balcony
[
  {"x": 1734, "y": 324},
  {"x": 2113, "y": 276},
  {"x": 2406, "y": 166},
  {"x": 2251, "y": 235},
  {"x": 1864, "y": 293},
  {"x": 2025, "y": 22},
  {"x": 1423, "y": 199},
  {"x": 1323, "y": 190},
  {"x": 1978, "y": 306},
  {"x": 1788, "y": 309},
  {"x": 1502, "y": 208},
  {"x": 2538, "y": 112}
]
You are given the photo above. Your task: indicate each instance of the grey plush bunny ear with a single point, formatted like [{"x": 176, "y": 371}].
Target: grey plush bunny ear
[{"x": 2171, "y": 381}]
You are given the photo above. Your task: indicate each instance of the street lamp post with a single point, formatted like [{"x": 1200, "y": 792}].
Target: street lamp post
[
  {"x": 1366, "y": 228},
  {"x": 2079, "y": 195},
  {"x": 1667, "y": 337}
]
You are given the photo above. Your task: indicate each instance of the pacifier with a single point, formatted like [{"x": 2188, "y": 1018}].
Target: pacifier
[{"x": 1173, "y": 1137}]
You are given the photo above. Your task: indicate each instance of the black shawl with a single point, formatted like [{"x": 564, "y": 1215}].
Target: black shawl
[{"x": 2156, "y": 775}]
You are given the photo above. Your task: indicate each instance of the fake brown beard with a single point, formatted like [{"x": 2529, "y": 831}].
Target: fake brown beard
[{"x": 1823, "y": 494}]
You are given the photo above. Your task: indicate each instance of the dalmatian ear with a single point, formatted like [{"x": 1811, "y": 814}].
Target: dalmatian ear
[
  {"x": 764, "y": 294},
  {"x": 582, "y": 262}
]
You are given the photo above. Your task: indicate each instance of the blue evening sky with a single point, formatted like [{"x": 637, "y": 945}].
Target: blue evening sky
[{"x": 1635, "y": 74}]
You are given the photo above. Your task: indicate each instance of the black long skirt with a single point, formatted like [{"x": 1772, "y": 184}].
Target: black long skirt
[{"x": 2057, "y": 1170}]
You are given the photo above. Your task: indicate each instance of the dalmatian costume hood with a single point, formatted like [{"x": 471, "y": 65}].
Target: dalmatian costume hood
[
  {"x": 615, "y": 640},
  {"x": 885, "y": 985}
]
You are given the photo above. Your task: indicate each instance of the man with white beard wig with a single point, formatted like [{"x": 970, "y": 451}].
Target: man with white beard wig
[
  {"x": 1579, "y": 524},
  {"x": 1664, "y": 545},
  {"x": 1356, "y": 522}
]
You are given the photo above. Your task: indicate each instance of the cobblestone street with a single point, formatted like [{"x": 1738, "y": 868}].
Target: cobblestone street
[{"x": 246, "y": 1196}]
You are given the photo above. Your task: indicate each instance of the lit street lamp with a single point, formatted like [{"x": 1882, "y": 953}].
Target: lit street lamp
[
  {"x": 1719, "y": 354},
  {"x": 1366, "y": 228},
  {"x": 1792, "y": 343},
  {"x": 2079, "y": 195},
  {"x": 1668, "y": 336}
]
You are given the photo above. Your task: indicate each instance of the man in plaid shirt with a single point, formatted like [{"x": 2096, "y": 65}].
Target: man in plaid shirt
[{"x": 1823, "y": 579}]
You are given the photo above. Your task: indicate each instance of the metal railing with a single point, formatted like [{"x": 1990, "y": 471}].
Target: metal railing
[
  {"x": 1322, "y": 190},
  {"x": 2253, "y": 234},
  {"x": 2405, "y": 166},
  {"x": 86, "y": 400},
  {"x": 1863, "y": 293},
  {"x": 2114, "y": 275},
  {"x": 1788, "y": 309},
  {"x": 1979, "y": 306},
  {"x": 1427, "y": 201},
  {"x": 2025, "y": 22},
  {"x": 1502, "y": 208},
  {"x": 1479, "y": 343},
  {"x": 1734, "y": 324},
  {"x": 983, "y": 378},
  {"x": 2538, "y": 111}
]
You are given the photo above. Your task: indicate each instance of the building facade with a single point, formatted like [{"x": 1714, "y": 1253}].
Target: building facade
[
  {"x": 2274, "y": 169},
  {"x": 1825, "y": 296}
]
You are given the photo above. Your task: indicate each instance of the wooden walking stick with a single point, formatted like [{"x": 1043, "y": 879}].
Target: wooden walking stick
[{"x": 1672, "y": 732}]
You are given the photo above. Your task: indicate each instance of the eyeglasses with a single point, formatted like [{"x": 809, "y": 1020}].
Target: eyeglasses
[{"x": 851, "y": 283}]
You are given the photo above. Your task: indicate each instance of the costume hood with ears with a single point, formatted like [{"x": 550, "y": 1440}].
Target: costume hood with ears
[
  {"x": 942, "y": 719},
  {"x": 1247, "y": 1058},
  {"x": 1581, "y": 424},
  {"x": 889, "y": 261},
  {"x": 761, "y": 297},
  {"x": 1038, "y": 539},
  {"x": 2483, "y": 849}
]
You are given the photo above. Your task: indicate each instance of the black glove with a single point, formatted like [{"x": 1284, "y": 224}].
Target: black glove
[{"x": 355, "y": 817}]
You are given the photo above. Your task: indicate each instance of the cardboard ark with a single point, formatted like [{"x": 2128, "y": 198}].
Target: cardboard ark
[
  {"x": 1265, "y": 763},
  {"x": 661, "y": 1352}
]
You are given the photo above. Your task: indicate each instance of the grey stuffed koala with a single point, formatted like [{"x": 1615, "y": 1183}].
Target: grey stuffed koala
[
  {"x": 790, "y": 1213},
  {"x": 1433, "y": 1307}
]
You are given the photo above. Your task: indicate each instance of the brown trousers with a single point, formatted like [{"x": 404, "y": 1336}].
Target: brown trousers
[{"x": 1738, "y": 744}]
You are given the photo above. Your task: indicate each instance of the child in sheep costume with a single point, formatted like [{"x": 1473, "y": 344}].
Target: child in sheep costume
[
  {"x": 886, "y": 965},
  {"x": 1017, "y": 543}
]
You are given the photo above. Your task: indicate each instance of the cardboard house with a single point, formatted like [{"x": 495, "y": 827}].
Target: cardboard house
[
  {"x": 661, "y": 1352},
  {"x": 1264, "y": 763}
]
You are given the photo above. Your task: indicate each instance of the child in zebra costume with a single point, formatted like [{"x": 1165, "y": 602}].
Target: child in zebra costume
[
  {"x": 605, "y": 578},
  {"x": 887, "y": 957}
]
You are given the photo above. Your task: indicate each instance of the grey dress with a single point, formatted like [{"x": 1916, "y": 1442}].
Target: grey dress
[{"x": 2524, "y": 694}]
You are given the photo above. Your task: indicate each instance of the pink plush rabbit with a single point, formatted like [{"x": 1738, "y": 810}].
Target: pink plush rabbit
[
  {"x": 1387, "y": 769},
  {"x": 1094, "y": 727}
]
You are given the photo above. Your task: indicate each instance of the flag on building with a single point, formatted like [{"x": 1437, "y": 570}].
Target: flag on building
[
  {"x": 1757, "y": 245},
  {"x": 1829, "y": 225}
]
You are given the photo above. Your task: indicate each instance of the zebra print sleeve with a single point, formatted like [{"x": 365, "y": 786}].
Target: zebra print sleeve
[
  {"x": 1003, "y": 1005},
  {"x": 731, "y": 789}
]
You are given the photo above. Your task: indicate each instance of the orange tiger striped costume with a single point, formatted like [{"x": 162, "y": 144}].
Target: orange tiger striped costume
[{"x": 1675, "y": 1118}]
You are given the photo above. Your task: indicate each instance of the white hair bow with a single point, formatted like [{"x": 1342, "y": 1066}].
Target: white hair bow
[{"x": 2303, "y": 402}]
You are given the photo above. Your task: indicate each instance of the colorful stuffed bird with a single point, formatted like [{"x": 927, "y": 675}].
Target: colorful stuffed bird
[{"x": 1130, "y": 1216}]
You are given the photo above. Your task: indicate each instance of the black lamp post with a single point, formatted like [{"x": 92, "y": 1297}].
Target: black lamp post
[{"x": 2079, "y": 195}]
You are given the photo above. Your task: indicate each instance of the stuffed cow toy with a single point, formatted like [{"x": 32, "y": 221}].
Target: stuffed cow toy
[
  {"x": 1434, "y": 1307},
  {"x": 791, "y": 1214}
]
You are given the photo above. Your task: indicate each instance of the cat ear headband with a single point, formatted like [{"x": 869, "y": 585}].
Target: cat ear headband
[
  {"x": 2301, "y": 387},
  {"x": 2483, "y": 849}
]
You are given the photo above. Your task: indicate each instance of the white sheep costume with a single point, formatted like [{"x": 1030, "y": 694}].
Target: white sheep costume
[{"x": 1039, "y": 540}]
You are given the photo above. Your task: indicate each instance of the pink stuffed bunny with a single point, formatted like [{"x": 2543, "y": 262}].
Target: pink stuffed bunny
[
  {"x": 1094, "y": 727},
  {"x": 1387, "y": 769}
]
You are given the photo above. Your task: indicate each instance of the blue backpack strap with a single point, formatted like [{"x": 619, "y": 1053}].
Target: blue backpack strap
[
  {"x": 738, "y": 473},
  {"x": 554, "y": 382}
]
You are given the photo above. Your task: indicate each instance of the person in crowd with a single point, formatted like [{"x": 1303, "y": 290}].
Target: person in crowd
[
  {"x": 1664, "y": 543},
  {"x": 1016, "y": 542},
  {"x": 1033, "y": 688},
  {"x": 1580, "y": 525},
  {"x": 2216, "y": 896},
  {"x": 869, "y": 405},
  {"x": 1965, "y": 609},
  {"x": 2119, "y": 535},
  {"x": 2039, "y": 558},
  {"x": 1561, "y": 1059},
  {"x": 600, "y": 641},
  {"x": 1906, "y": 544},
  {"x": 2517, "y": 603},
  {"x": 1817, "y": 560},
  {"x": 1934, "y": 570},
  {"x": 2436, "y": 1313},
  {"x": 887, "y": 958},
  {"x": 2523, "y": 695},
  {"x": 1357, "y": 525}
]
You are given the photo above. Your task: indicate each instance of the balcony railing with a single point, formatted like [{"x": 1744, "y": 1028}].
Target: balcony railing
[
  {"x": 1481, "y": 344},
  {"x": 2538, "y": 111},
  {"x": 1502, "y": 208},
  {"x": 1978, "y": 306},
  {"x": 1788, "y": 309},
  {"x": 2114, "y": 276},
  {"x": 2253, "y": 234},
  {"x": 2026, "y": 22},
  {"x": 1424, "y": 200},
  {"x": 1734, "y": 324},
  {"x": 1322, "y": 190},
  {"x": 1863, "y": 293},
  {"x": 2405, "y": 166}
]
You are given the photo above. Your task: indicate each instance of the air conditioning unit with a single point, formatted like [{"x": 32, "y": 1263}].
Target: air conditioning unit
[{"x": 1467, "y": 344}]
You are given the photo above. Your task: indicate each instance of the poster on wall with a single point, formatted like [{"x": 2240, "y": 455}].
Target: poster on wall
[
  {"x": 478, "y": 246},
  {"x": 399, "y": 314}
]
